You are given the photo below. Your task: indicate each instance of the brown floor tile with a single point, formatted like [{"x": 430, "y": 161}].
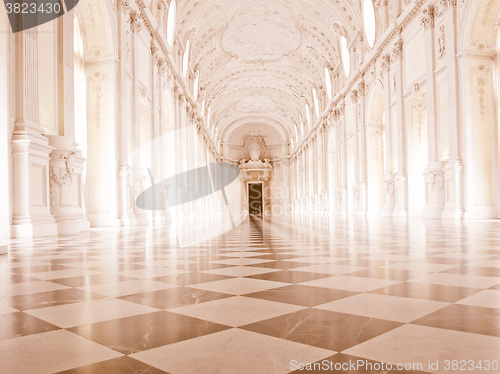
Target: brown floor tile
[
  {"x": 285, "y": 265},
  {"x": 363, "y": 262},
  {"x": 47, "y": 299},
  {"x": 117, "y": 268},
  {"x": 391, "y": 274},
  {"x": 196, "y": 267},
  {"x": 324, "y": 329},
  {"x": 139, "y": 333},
  {"x": 38, "y": 269},
  {"x": 444, "y": 260},
  {"x": 289, "y": 276},
  {"x": 190, "y": 278},
  {"x": 91, "y": 279},
  {"x": 465, "y": 318},
  {"x": 62, "y": 261},
  {"x": 120, "y": 365},
  {"x": 16, "y": 278},
  {"x": 174, "y": 297},
  {"x": 275, "y": 257},
  {"x": 346, "y": 364},
  {"x": 475, "y": 270},
  {"x": 427, "y": 291},
  {"x": 13, "y": 325},
  {"x": 301, "y": 295}
]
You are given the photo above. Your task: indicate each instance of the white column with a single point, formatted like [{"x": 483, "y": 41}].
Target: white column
[
  {"x": 433, "y": 174},
  {"x": 454, "y": 168},
  {"x": 30, "y": 149},
  {"x": 401, "y": 178},
  {"x": 389, "y": 189}
]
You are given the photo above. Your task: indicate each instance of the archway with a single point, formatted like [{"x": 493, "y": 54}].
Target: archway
[{"x": 99, "y": 39}]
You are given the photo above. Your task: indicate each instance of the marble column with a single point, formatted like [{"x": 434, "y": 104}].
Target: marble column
[
  {"x": 30, "y": 149},
  {"x": 389, "y": 189},
  {"x": 433, "y": 174},
  {"x": 454, "y": 167},
  {"x": 401, "y": 178}
]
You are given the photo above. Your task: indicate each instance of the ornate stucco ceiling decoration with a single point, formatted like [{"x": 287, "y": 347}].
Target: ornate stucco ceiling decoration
[
  {"x": 261, "y": 59},
  {"x": 265, "y": 31}
]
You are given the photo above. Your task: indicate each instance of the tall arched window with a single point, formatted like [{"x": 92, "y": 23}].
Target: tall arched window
[
  {"x": 369, "y": 21},
  {"x": 185, "y": 62},
  {"x": 328, "y": 83},
  {"x": 171, "y": 22},
  {"x": 315, "y": 101},
  {"x": 308, "y": 115},
  {"x": 344, "y": 52},
  {"x": 196, "y": 86},
  {"x": 208, "y": 116},
  {"x": 80, "y": 88}
]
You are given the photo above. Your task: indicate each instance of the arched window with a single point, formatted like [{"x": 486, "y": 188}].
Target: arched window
[
  {"x": 80, "y": 88},
  {"x": 315, "y": 100},
  {"x": 369, "y": 21},
  {"x": 171, "y": 22},
  {"x": 344, "y": 52},
  {"x": 196, "y": 86},
  {"x": 308, "y": 115},
  {"x": 328, "y": 83},
  {"x": 185, "y": 63},
  {"x": 208, "y": 116}
]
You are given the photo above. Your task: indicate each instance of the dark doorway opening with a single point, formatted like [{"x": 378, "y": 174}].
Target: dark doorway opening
[{"x": 255, "y": 198}]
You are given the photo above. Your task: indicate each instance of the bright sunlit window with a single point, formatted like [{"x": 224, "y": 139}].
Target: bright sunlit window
[
  {"x": 196, "y": 87},
  {"x": 369, "y": 21},
  {"x": 171, "y": 22},
  {"x": 208, "y": 116},
  {"x": 328, "y": 83},
  {"x": 308, "y": 115},
  {"x": 344, "y": 52},
  {"x": 316, "y": 103},
  {"x": 185, "y": 63}
]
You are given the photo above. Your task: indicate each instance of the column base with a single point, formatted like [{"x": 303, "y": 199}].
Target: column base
[
  {"x": 69, "y": 227},
  {"x": 486, "y": 212},
  {"x": 33, "y": 229},
  {"x": 103, "y": 220}
]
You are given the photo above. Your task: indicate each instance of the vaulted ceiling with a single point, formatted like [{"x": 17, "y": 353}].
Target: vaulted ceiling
[{"x": 259, "y": 60}]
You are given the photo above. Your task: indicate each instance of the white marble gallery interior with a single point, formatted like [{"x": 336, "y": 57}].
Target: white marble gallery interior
[{"x": 251, "y": 186}]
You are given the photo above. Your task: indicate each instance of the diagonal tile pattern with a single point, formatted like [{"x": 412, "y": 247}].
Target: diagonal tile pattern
[{"x": 270, "y": 296}]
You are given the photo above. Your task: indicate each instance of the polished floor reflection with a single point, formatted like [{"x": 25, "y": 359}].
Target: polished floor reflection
[{"x": 269, "y": 296}]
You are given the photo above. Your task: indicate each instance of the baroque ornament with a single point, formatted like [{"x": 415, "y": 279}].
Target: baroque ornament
[{"x": 441, "y": 42}]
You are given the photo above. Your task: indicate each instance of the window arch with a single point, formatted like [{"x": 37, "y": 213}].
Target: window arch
[
  {"x": 315, "y": 101},
  {"x": 308, "y": 115},
  {"x": 328, "y": 83},
  {"x": 344, "y": 54},
  {"x": 369, "y": 21},
  {"x": 171, "y": 22},
  {"x": 185, "y": 62},
  {"x": 196, "y": 86}
]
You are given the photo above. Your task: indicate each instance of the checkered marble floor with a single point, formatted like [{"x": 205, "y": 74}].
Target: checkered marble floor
[{"x": 265, "y": 297}]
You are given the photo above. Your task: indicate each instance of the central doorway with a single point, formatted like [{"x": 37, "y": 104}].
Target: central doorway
[{"x": 255, "y": 198}]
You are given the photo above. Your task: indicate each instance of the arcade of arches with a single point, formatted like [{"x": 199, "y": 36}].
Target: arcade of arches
[{"x": 345, "y": 114}]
